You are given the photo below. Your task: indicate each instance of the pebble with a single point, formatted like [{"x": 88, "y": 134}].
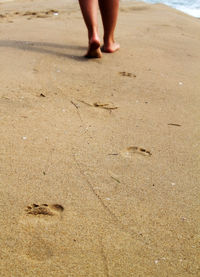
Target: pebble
[{"x": 156, "y": 261}]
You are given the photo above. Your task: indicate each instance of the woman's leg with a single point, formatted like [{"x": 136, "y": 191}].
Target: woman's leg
[
  {"x": 89, "y": 10},
  {"x": 109, "y": 12}
]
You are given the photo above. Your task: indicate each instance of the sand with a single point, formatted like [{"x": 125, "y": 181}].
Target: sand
[{"x": 99, "y": 158}]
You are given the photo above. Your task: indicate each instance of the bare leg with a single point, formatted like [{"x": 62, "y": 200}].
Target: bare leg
[
  {"x": 89, "y": 10},
  {"x": 109, "y": 13}
]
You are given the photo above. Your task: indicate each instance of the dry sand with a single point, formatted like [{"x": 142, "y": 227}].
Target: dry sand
[{"x": 73, "y": 133}]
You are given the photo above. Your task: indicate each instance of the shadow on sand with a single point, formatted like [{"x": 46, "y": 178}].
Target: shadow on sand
[{"x": 45, "y": 48}]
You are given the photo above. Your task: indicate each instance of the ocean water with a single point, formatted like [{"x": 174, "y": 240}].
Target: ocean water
[{"x": 191, "y": 7}]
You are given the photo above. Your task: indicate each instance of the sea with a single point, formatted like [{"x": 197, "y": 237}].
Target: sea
[{"x": 191, "y": 7}]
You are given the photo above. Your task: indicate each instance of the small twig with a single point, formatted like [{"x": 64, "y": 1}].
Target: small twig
[
  {"x": 174, "y": 124},
  {"x": 85, "y": 103},
  {"x": 99, "y": 105},
  {"x": 75, "y": 105},
  {"x": 115, "y": 179},
  {"x": 104, "y": 106}
]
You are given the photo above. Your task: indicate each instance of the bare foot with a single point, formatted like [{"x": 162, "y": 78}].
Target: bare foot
[
  {"x": 110, "y": 47},
  {"x": 94, "y": 50}
]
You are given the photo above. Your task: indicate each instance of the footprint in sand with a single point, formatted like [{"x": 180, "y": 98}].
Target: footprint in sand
[
  {"x": 127, "y": 74},
  {"x": 38, "y": 249},
  {"x": 44, "y": 210},
  {"x": 133, "y": 150},
  {"x": 2, "y": 16},
  {"x": 33, "y": 234},
  {"x": 135, "y": 8},
  {"x": 29, "y": 14},
  {"x": 41, "y": 14}
]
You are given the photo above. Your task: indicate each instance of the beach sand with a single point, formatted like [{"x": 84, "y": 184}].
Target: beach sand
[{"x": 99, "y": 158}]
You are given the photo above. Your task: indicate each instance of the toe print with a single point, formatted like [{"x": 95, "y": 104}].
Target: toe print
[
  {"x": 127, "y": 74},
  {"x": 132, "y": 150},
  {"x": 44, "y": 209}
]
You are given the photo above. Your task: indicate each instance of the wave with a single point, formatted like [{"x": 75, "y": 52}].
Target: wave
[{"x": 188, "y": 7}]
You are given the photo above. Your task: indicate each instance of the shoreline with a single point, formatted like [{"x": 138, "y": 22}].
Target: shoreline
[{"x": 189, "y": 11}]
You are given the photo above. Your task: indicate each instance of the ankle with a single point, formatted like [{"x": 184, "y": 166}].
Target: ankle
[
  {"x": 110, "y": 46},
  {"x": 108, "y": 40},
  {"x": 93, "y": 34}
]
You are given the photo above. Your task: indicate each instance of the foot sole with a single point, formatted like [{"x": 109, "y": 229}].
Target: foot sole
[{"x": 94, "y": 50}]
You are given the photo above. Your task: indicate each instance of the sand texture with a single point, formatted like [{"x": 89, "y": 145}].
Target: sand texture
[{"x": 99, "y": 159}]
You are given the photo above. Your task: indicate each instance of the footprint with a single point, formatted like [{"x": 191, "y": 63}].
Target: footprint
[
  {"x": 41, "y": 14},
  {"x": 29, "y": 14},
  {"x": 44, "y": 209},
  {"x": 127, "y": 74},
  {"x": 132, "y": 150},
  {"x": 2, "y": 16},
  {"x": 38, "y": 249},
  {"x": 134, "y": 8},
  {"x": 33, "y": 234}
]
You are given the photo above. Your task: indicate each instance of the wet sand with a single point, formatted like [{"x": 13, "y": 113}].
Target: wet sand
[{"x": 99, "y": 159}]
